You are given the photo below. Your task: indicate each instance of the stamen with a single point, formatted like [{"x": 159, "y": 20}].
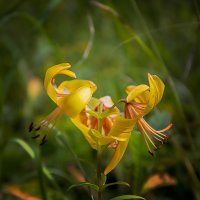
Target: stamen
[
  {"x": 56, "y": 119},
  {"x": 157, "y": 137},
  {"x": 44, "y": 140},
  {"x": 38, "y": 128},
  {"x": 144, "y": 132},
  {"x": 135, "y": 111},
  {"x": 131, "y": 112},
  {"x": 147, "y": 144},
  {"x": 30, "y": 127},
  {"x": 151, "y": 153},
  {"x": 54, "y": 116},
  {"x": 51, "y": 116},
  {"x": 156, "y": 148},
  {"x": 153, "y": 131},
  {"x": 166, "y": 128},
  {"x": 139, "y": 106},
  {"x": 146, "y": 136},
  {"x": 157, "y": 131},
  {"x": 34, "y": 137}
]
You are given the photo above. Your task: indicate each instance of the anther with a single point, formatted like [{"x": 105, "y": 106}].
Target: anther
[
  {"x": 44, "y": 140},
  {"x": 30, "y": 127},
  {"x": 165, "y": 140},
  {"x": 38, "y": 128},
  {"x": 155, "y": 149},
  {"x": 36, "y": 136},
  {"x": 151, "y": 153}
]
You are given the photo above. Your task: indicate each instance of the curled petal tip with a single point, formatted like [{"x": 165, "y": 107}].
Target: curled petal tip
[{"x": 93, "y": 87}]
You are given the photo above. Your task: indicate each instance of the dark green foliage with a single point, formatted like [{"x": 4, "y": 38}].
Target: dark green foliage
[{"x": 131, "y": 38}]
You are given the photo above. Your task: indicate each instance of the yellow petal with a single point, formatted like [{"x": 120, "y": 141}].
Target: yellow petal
[
  {"x": 73, "y": 85},
  {"x": 156, "y": 90},
  {"x": 85, "y": 130},
  {"x": 122, "y": 137},
  {"x": 76, "y": 101},
  {"x": 71, "y": 96},
  {"x": 51, "y": 73},
  {"x": 93, "y": 103},
  {"x": 129, "y": 88},
  {"x": 136, "y": 91},
  {"x": 119, "y": 152},
  {"x": 120, "y": 131},
  {"x": 121, "y": 127}
]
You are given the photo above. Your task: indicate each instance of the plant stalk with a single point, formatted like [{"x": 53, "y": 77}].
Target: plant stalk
[
  {"x": 99, "y": 181},
  {"x": 41, "y": 176}
]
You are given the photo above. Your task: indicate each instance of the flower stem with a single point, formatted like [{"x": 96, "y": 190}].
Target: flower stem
[
  {"x": 99, "y": 181},
  {"x": 99, "y": 152},
  {"x": 118, "y": 102},
  {"x": 41, "y": 176}
]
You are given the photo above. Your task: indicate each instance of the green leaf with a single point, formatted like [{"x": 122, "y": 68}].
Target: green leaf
[
  {"x": 93, "y": 186},
  {"x": 26, "y": 147},
  {"x": 103, "y": 179},
  {"x": 127, "y": 197},
  {"x": 47, "y": 173},
  {"x": 116, "y": 183}
]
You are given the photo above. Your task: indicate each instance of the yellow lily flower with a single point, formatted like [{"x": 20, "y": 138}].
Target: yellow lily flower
[
  {"x": 70, "y": 96},
  {"x": 114, "y": 132},
  {"x": 141, "y": 100}
]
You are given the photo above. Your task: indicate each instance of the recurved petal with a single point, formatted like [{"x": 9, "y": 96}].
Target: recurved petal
[
  {"x": 136, "y": 91},
  {"x": 156, "y": 90},
  {"x": 119, "y": 152},
  {"x": 85, "y": 130},
  {"x": 51, "y": 73},
  {"x": 120, "y": 131},
  {"x": 122, "y": 137},
  {"x": 73, "y": 85},
  {"x": 129, "y": 88},
  {"x": 121, "y": 125}
]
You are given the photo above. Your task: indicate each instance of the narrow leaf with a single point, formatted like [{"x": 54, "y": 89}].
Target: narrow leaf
[
  {"x": 116, "y": 183},
  {"x": 26, "y": 147},
  {"x": 47, "y": 173},
  {"x": 127, "y": 197},
  {"x": 93, "y": 186}
]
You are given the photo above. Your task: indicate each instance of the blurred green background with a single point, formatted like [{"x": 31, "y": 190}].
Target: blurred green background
[{"x": 113, "y": 43}]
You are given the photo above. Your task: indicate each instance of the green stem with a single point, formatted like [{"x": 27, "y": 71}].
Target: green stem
[
  {"x": 41, "y": 176},
  {"x": 99, "y": 181},
  {"x": 99, "y": 152},
  {"x": 118, "y": 102},
  {"x": 63, "y": 138}
]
